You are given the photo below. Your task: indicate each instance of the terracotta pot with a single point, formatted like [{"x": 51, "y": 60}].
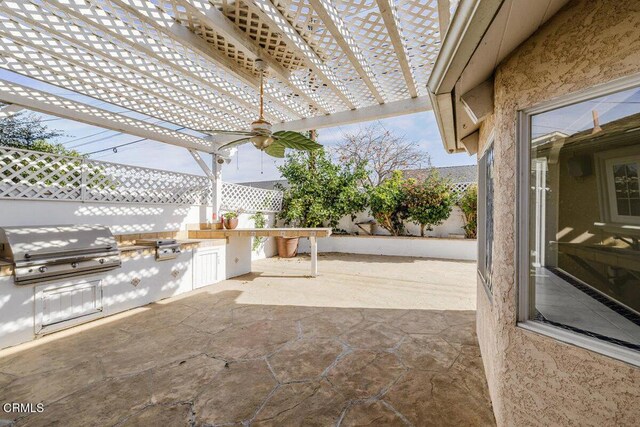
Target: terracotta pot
[
  {"x": 230, "y": 223},
  {"x": 287, "y": 246}
]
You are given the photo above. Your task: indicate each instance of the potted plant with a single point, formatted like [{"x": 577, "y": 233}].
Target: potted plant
[
  {"x": 216, "y": 224},
  {"x": 230, "y": 220}
]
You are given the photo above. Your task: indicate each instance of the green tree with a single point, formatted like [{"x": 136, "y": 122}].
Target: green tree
[
  {"x": 388, "y": 204},
  {"x": 429, "y": 202},
  {"x": 27, "y": 131},
  {"x": 320, "y": 192},
  {"x": 468, "y": 203}
]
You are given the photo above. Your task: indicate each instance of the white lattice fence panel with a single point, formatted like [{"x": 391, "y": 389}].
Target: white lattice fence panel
[
  {"x": 459, "y": 188},
  {"x": 44, "y": 176},
  {"x": 34, "y": 175},
  {"x": 250, "y": 199},
  {"x": 113, "y": 182}
]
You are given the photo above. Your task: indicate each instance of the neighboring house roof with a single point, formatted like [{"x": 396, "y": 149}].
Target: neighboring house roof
[
  {"x": 456, "y": 174},
  {"x": 267, "y": 185}
]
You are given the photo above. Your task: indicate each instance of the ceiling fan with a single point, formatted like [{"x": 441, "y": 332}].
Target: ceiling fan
[{"x": 261, "y": 136}]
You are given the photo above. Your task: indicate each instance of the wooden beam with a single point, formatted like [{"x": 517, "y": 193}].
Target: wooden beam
[
  {"x": 471, "y": 142},
  {"x": 478, "y": 102},
  {"x": 36, "y": 100},
  {"x": 444, "y": 17},
  {"x": 21, "y": 16},
  {"x": 267, "y": 11},
  {"x": 374, "y": 112},
  {"x": 390, "y": 18},
  {"x": 203, "y": 165},
  {"x": 331, "y": 19},
  {"x": 182, "y": 39},
  {"x": 217, "y": 21},
  {"x": 7, "y": 110},
  {"x": 54, "y": 67}
]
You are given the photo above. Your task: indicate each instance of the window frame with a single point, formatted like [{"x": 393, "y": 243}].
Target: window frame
[
  {"x": 522, "y": 226},
  {"x": 482, "y": 213},
  {"x": 609, "y": 187}
]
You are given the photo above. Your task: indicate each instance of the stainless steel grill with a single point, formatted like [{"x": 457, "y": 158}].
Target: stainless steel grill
[
  {"x": 55, "y": 252},
  {"x": 165, "y": 248}
]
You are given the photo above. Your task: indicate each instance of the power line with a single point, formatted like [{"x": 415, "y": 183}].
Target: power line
[
  {"x": 95, "y": 140},
  {"x": 115, "y": 147},
  {"x": 101, "y": 132},
  {"x": 87, "y": 136}
]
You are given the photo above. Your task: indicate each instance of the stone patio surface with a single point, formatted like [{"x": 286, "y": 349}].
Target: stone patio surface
[{"x": 373, "y": 341}]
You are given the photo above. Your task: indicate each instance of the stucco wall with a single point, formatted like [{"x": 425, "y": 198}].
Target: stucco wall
[
  {"x": 533, "y": 379},
  {"x": 453, "y": 225}
]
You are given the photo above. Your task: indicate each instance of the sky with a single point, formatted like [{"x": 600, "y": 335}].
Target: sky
[{"x": 249, "y": 164}]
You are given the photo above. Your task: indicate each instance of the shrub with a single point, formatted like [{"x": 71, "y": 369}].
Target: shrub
[
  {"x": 259, "y": 221},
  {"x": 388, "y": 205},
  {"x": 468, "y": 203},
  {"x": 429, "y": 202},
  {"x": 320, "y": 192}
]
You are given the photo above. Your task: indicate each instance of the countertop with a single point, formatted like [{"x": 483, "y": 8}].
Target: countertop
[
  {"x": 261, "y": 232},
  {"x": 6, "y": 268}
]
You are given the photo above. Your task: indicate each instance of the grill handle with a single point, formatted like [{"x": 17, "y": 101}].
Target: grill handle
[{"x": 66, "y": 253}]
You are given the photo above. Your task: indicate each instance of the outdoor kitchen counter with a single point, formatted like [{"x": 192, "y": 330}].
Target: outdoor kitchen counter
[
  {"x": 184, "y": 243},
  {"x": 239, "y": 244},
  {"x": 6, "y": 268}
]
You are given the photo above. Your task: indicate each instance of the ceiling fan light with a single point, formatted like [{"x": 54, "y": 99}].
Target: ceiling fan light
[{"x": 261, "y": 141}]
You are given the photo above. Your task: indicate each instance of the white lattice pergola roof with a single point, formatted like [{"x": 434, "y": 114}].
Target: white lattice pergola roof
[{"x": 192, "y": 62}]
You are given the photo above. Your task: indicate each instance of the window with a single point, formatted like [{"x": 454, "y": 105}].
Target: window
[
  {"x": 579, "y": 221},
  {"x": 485, "y": 212},
  {"x": 622, "y": 186}
]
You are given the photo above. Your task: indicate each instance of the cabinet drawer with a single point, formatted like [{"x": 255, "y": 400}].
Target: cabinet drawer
[
  {"x": 206, "y": 267},
  {"x": 60, "y": 305}
]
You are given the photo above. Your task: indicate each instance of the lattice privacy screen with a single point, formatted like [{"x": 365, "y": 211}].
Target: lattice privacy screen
[
  {"x": 250, "y": 199},
  {"x": 35, "y": 175},
  {"x": 459, "y": 188}
]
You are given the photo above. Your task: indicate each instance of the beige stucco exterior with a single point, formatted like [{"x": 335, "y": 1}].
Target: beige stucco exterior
[{"x": 534, "y": 379}]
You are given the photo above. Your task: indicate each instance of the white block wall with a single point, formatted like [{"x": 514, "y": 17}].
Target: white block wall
[
  {"x": 121, "y": 218},
  {"x": 451, "y": 226},
  {"x": 458, "y": 249}
]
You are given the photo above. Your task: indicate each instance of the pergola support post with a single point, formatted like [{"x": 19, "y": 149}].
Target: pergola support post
[
  {"x": 214, "y": 173},
  {"x": 216, "y": 182},
  {"x": 313, "y": 242}
]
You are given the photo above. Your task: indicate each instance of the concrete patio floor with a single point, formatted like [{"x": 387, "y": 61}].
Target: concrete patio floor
[{"x": 379, "y": 341}]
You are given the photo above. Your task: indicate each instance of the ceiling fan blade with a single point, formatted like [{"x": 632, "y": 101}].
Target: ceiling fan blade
[
  {"x": 225, "y": 132},
  {"x": 295, "y": 141},
  {"x": 275, "y": 150},
  {"x": 233, "y": 143}
]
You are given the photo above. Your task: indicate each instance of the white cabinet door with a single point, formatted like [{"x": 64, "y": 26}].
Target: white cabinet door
[
  {"x": 63, "y": 304},
  {"x": 206, "y": 266}
]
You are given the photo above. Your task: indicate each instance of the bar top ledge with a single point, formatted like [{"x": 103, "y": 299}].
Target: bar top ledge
[{"x": 260, "y": 232}]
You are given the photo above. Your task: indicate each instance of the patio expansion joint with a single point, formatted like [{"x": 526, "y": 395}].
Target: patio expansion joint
[
  {"x": 346, "y": 350},
  {"x": 398, "y": 413}
]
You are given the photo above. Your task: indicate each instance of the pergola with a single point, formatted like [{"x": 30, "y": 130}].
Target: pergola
[{"x": 191, "y": 63}]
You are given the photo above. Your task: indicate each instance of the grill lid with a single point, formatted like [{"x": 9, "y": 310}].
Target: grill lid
[{"x": 20, "y": 244}]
